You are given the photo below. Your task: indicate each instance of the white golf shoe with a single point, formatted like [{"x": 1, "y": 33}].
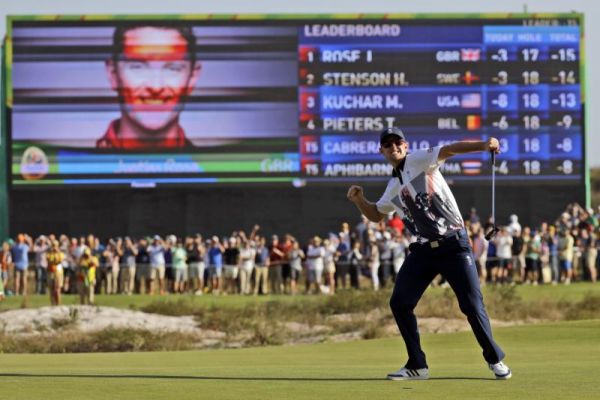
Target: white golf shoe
[
  {"x": 501, "y": 370},
  {"x": 405, "y": 374}
]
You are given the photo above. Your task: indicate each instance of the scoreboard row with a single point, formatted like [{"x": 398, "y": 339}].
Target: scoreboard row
[
  {"x": 440, "y": 84},
  {"x": 431, "y": 99}
]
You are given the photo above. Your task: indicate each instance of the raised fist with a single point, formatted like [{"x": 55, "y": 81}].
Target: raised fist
[{"x": 354, "y": 193}]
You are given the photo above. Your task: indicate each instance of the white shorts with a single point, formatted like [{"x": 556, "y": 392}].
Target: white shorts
[
  {"x": 230, "y": 271},
  {"x": 157, "y": 271},
  {"x": 196, "y": 270},
  {"x": 329, "y": 267},
  {"x": 180, "y": 274}
]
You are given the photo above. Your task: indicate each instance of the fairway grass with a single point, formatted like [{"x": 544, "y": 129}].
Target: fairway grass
[{"x": 549, "y": 361}]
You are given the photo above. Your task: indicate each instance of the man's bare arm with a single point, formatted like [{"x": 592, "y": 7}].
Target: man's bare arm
[
  {"x": 468, "y": 147},
  {"x": 367, "y": 208}
]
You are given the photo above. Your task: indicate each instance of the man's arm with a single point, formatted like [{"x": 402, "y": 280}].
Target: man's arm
[
  {"x": 468, "y": 147},
  {"x": 367, "y": 208}
]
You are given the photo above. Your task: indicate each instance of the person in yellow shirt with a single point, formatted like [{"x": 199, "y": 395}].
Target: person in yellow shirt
[
  {"x": 87, "y": 277},
  {"x": 55, "y": 278}
]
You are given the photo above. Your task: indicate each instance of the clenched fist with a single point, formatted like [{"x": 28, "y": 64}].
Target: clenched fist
[
  {"x": 355, "y": 193},
  {"x": 492, "y": 144}
]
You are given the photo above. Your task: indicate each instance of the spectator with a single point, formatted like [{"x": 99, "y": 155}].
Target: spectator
[
  {"x": 180, "y": 267},
  {"x": 544, "y": 265},
  {"x": 5, "y": 265},
  {"x": 40, "y": 248},
  {"x": 564, "y": 222},
  {"x": 231, "y": 258},
  {"x": 577, "y": 254},
  {"x": 286, "y": 268},
  {"x": 276, "y": 259},
  {"x": 396, "y": 224},
  {"x": 20, "y": 258},
  {"x": 533, "y": 249},
  {"x": 247, "y": 257},
  {"x": 169, "y": 246},
  {"x": 196, "y": 253},
  {"x": 295, "y": 256},
  {"x": 514, "y": 227},
  {"x": 480, "y": 253},
  {"x": 329, "y": 264},
  {"x": 128, "y": 252},
  {"x": 597, "y": 236},
  {"x": 1, "y": 289},
  {"x": 473, "y": 217},
  {"x": 399, "y": 249},
  {"x": 589, "y": 254},
  {"x": 157, "y": 265},
  {"x": 373, "y": 261},
  {"x": 143, "y": 270},
  {"x": 314, "y": 265},
  {"x": 362, "y": 231},
  {"x": 261, "y": 267},
  {"x": 565, "y": 254},
  {"x": 491, "y": 261},
  {"x": 386, "y": 258},
  {"x": 70, "y": 249},
  {"x": 518, "y": 255},
  {"x": 87, "y": 277},
  {"x": 551, "y": 240},
  {"x": 215, "y": 264},
  {"x": 503, "y": 242},
  {"x": 342, "y": 257},
  {"x": 356, "y": 259},
  {"x": 111, "y": 268},
  {"x": 345, "y": 234},
  {"x": 55, "y": 258}
]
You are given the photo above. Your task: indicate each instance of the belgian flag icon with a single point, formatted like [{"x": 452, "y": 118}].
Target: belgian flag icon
[{"x": 473, "y": 122}]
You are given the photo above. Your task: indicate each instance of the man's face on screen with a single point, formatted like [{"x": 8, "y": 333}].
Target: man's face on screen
[{"x": 153, "y": 75}]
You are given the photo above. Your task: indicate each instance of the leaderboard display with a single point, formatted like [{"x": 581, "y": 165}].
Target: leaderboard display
[
  {"x": 442, "y": 83},
  {"x": 278, "y": 99}
]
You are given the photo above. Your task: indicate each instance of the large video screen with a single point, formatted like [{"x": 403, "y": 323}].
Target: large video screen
[{"x": 145, "y": 101}]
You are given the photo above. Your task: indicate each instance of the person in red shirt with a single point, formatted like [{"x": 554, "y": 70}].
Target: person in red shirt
[
  {"x": 396, "y": 223},
  {"x": 153, "y": 70},
  {"x": 277, "y": 257}
]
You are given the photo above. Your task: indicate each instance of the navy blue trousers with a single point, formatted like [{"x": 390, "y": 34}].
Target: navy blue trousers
[{"x": 453, "y": 259}]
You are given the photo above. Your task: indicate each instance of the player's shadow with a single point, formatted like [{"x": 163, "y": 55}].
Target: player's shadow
[{"x": 218, "y": 378}]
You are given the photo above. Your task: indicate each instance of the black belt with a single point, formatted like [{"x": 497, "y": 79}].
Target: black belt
[{"x": 434, "y": 244}]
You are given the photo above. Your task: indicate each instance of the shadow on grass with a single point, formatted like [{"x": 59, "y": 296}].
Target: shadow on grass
[{"x": 222, "y": 378}]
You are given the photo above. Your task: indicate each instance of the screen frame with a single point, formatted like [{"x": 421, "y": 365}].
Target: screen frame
[{"x": 289, "y": 18}]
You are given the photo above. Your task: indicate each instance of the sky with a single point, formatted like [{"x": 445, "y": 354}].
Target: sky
[{"x": 590, "y": 9}]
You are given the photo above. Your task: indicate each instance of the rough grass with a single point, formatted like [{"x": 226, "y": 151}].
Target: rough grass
[
  {"x": 107, "y": 340},
  {"x": 502, "y": 303},
  {"x": 280, "y": 320}
]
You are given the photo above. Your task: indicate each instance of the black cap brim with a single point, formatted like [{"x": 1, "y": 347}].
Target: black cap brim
[{"x": 396, "y": 132}]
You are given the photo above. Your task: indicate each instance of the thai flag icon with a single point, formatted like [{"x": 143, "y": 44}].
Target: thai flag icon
[
  {"x": 470, "y": 100},
  {"x": 471, "y": 167}
]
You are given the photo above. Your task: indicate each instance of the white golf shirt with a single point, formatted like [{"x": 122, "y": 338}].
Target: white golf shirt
[{"x": 420, "y": 195}]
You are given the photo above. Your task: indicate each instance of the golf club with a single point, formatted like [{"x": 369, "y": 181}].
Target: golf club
[{"x": 494, "y": 229}]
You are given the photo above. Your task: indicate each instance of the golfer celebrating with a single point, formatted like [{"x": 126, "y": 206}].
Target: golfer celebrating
[{"x": 420, "y": 195}]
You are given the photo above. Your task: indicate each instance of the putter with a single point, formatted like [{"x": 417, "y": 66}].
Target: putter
[{"x": 494, "y": 229}]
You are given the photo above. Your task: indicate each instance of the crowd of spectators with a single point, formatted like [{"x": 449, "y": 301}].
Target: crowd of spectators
[
  {"x": 369, "y": 254},
  {"x": 558, "y": 252}
]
